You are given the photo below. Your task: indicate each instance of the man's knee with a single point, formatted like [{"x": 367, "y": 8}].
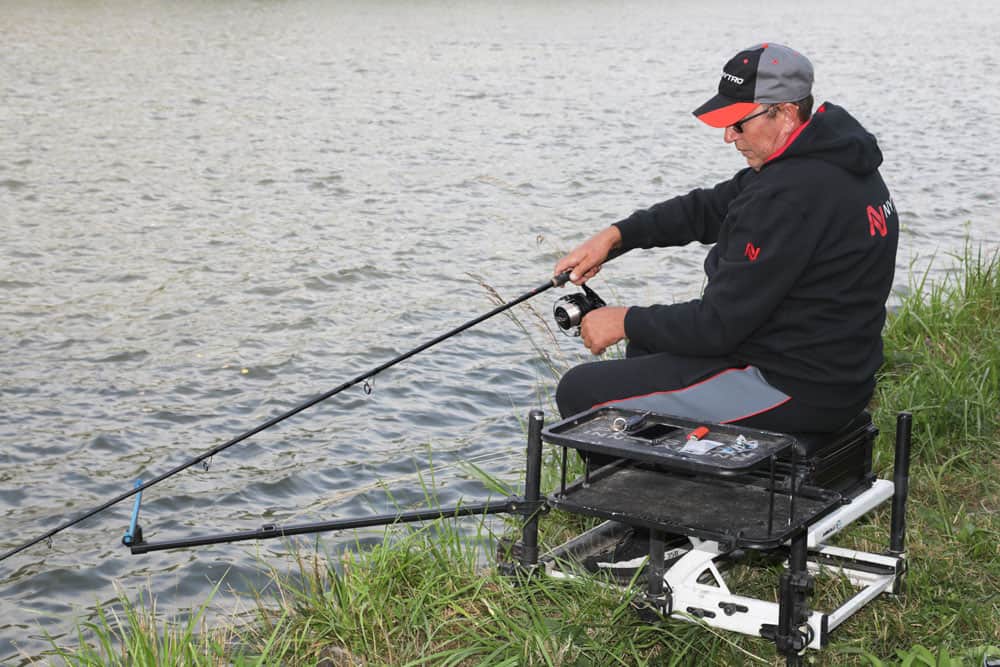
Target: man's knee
[{"x": 572, "y": 394}]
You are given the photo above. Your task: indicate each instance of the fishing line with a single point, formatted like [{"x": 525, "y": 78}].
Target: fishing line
[{"x": 366, "y": 377}]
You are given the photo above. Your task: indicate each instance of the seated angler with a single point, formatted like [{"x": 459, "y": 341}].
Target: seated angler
[{"x": 787, "y": 333}]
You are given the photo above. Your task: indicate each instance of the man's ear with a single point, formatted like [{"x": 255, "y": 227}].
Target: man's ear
[{"x": 789, "y": 114}]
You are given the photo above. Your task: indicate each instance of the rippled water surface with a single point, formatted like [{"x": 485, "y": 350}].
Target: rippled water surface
[{"x": 212, "y": 212}]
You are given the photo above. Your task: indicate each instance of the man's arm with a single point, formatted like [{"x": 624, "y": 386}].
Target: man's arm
[
  {"x": 743, "y": 291},
  {"x": 696, "y": 216}
]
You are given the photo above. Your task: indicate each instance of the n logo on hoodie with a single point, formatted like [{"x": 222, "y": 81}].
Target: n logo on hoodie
[{"x": 877, "y": 216}]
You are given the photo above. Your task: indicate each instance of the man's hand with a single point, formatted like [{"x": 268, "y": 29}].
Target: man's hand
[
  {"x": 603, "y": 327},
  {"x": 585, "y": 260}
]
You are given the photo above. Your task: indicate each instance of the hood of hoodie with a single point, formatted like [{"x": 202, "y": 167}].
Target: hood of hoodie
[{"x": 833, "y": 135}]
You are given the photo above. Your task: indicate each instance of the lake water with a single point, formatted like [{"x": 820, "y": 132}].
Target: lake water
[{"x": 212, "y": 212}]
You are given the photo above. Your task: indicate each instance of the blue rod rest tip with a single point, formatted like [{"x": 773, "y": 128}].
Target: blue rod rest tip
[{"x": 129, "y": 536}]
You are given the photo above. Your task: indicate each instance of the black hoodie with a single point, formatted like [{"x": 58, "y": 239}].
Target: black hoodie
[{"x": 801, "y": 268}]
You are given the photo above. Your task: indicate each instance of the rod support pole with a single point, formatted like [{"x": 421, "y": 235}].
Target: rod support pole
[
  {"x": 532, "y": 488},
  {"x": 901, "y": 482}
]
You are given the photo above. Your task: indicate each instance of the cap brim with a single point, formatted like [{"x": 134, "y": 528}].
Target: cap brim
[{"x": 721, "y": 111}]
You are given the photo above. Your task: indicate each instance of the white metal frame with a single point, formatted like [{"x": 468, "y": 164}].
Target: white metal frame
[{"x": 691, "y": 599}]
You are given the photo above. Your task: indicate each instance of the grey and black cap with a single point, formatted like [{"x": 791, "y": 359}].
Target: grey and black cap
[{"x": 767, "y": 73}]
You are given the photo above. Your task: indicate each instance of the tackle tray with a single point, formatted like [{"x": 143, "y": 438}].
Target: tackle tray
[
  {"x": 737, "y": 512},
  {"x": 664, "y": 440}
]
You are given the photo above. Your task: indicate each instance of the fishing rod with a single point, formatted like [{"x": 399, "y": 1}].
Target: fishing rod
[{"x": 556, "y": 281}]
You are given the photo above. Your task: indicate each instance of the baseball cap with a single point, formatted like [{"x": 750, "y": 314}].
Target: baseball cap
[{"x": 767, "y": 73}]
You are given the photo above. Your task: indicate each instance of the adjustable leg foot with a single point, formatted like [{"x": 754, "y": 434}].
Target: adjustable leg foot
[
  {"x": 793, "y": 609},
  {"x": 656, "y": 603}
]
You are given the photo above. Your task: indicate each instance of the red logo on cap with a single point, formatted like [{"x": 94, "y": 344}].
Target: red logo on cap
[{"x": 751, "y": 252}]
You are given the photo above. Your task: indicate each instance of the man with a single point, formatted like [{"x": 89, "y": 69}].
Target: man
[{"x": 787, "y": 334}]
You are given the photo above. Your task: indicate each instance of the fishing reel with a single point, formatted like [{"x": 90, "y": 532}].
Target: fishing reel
[{"x": 570, "y": 310}]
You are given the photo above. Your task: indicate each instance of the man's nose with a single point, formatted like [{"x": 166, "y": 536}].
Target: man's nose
[{"x": 729, "y": 134}]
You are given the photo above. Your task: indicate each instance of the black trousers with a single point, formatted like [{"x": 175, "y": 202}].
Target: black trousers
[{"x": 714, "y": 389}]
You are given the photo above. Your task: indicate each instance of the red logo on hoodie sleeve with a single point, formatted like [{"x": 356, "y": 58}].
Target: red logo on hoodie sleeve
[
  {"x": 876, "y": 221},
  {"x": 751, "y": 252}
]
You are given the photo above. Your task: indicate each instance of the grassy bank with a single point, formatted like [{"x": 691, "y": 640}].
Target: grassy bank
[{"x": 426, "y": 599}]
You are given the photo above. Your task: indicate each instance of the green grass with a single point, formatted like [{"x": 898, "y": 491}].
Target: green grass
[
  {"x": 426, "y": 597},
  {"x": 423, "y": 601},
  {"x": 134, "y": 634}
]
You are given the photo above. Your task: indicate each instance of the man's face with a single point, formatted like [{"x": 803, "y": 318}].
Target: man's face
[{"x": 762, "y": 135}]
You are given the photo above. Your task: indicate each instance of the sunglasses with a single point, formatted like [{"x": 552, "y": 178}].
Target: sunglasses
[{"x": 738, "y": 125}]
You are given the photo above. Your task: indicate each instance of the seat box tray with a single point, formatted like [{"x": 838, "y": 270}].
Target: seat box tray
[
  {"x": 738, "y": 512},
  {"x": 665, "y": 440}
]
